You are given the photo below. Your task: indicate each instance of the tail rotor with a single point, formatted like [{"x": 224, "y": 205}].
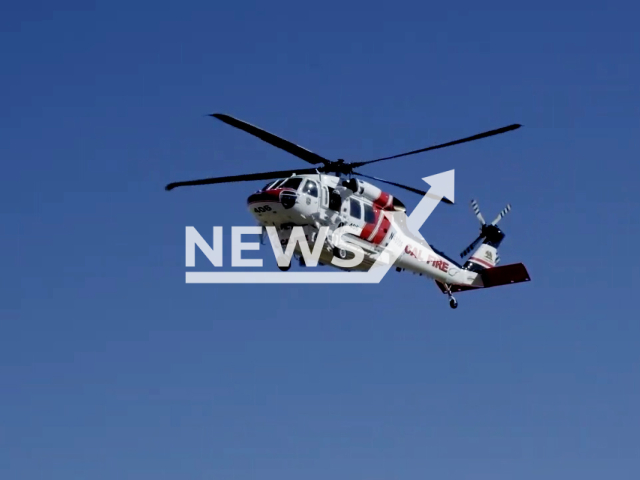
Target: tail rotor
[{"x": 489, "y": 233}]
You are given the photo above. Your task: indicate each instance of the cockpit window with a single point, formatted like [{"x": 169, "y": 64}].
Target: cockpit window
[
  {"x": 291, "y": 183},
  {"x": 369, "y": 214},
  {"x": 269, "y": 185},
  {"x": 356, "y": 208},
  {"x": 277, "y": 183},
  {"x": 311, "y": 188}
]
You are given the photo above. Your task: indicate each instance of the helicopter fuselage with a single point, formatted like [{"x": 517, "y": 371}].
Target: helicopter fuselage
[{"x": 315, "y": 201}]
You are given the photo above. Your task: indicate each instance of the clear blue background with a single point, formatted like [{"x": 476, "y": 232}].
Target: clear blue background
[{"x": 112, "y": 367}]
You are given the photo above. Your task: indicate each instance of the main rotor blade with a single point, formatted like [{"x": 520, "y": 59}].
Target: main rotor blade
[
  {"x": 411, "y": 189},
  {"x": 241, "y": 178},
  {"x": 272, "y": 139},
  {"x": 490, "y": 133}
]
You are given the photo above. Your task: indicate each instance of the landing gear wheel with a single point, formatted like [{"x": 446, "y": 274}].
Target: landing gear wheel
[
  {"x": 452, "y": 301},
  {"x": 340, "y": 253}
]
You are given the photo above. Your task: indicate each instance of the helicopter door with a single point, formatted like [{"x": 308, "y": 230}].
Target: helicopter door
[
  {"x": 355, "y": 211},
  {"x": 311, "y": 193}
]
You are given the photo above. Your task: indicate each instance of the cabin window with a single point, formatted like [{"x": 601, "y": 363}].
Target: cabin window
[
  {"x": 335, "y": 201},
  {"x": 369, "y": 214},
  {"x": 356, "y": 208},
  {"x": 310, "y": 188},
  {"x": 293, "y": 183}
]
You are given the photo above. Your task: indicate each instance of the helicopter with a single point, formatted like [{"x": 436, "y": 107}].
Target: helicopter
[{"x": 333, "y": 195}]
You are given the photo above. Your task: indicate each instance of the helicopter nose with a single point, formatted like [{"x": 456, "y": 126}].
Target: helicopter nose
[
  {"x": 263, "y": 197},
  {"x": 286, "y": 198}
]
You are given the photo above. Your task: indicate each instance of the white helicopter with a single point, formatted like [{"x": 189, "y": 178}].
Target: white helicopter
[{"x": 312, "y": 198}]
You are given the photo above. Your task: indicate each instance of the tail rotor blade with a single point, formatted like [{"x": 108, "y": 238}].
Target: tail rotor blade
[
  {"x": 501, "y": 214},
  {"x": 476, "y": 210},
  {"x": 468, "y": 250}
]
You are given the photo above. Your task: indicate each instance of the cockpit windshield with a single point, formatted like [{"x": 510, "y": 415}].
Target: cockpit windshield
[
  {"x": 272, "y": 184},
  {"x": 293, "y": 182}
]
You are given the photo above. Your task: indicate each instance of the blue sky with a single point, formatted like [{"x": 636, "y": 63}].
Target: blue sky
[{"x": 112, "y": 367}]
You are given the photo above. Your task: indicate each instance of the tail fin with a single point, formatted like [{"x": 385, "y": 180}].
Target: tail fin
[
  {"x": 484, "y": 259},
  {"x": 486, "y": 256}
]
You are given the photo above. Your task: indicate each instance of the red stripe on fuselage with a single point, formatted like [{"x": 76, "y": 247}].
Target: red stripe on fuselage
[
  {"x": 384, "y": 201},
  {"x": 481, "y": 262},
  {"x": 376, "y": 231},
  {"x": 367, "y": 230},
  {"x": 382, "y": 230}
]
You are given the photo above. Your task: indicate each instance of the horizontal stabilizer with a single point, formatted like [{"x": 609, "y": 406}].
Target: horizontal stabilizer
[
  {"x": 505, "y": 275},
  {"x": 493, "y": 277}
]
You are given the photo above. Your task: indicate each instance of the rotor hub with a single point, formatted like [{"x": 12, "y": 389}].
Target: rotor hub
[{"x": 492, "y": 234}]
